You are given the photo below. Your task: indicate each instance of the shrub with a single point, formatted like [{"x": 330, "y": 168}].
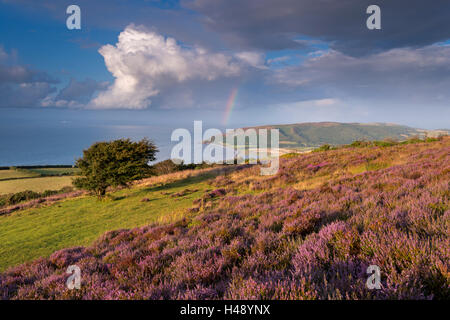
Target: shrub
[
  {"x": 359, "y": 144},
  {"x": 114, "y": 164},
  {"x": 16, "y": 198},
  {"x": 324, "y": 147},
  {"x": 165, "y": 167}
]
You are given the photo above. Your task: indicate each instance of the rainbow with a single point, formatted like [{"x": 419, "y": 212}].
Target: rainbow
[{"x": 229, "y": 107}]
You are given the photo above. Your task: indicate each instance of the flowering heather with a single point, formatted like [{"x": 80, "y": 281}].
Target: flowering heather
[{"x": 309, "y": 232}]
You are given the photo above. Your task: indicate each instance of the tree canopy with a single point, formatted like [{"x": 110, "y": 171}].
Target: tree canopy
[{"x": 115, "y": 163}]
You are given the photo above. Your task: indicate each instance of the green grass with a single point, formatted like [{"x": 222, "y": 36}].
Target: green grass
[
  {"x": 34, "y": 184},
  {"x": 29, "y": 234},
  {"x": 55, "y": 171},
  {"x": 38, "y": 179},
  {"x": 15, "y": 174}
]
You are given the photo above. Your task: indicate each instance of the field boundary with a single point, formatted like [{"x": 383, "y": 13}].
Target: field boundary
[{"x": 35, "y": 202}]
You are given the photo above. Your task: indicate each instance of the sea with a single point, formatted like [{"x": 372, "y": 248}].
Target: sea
[{"x": 59, "y": 136}]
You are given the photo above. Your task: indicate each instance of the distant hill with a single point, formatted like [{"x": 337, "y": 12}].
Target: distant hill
[{"x": 310, "y": 135}]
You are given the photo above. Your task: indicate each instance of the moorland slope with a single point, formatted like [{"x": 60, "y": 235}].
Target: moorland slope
[{"x": 308, "y": 232}]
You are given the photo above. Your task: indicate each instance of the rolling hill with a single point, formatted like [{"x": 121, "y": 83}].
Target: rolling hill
[
  {"x": 311, "y": 135},
  {"x": 308, "y": 232}
]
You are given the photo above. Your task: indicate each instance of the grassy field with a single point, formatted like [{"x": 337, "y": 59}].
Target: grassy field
[
  {"x": 16, "y": 174},
  {"x": 39, "y": 184},
  {"x": 317, "y": 225},
  {"x": 55, "y": 171},
  {"x": 35, "y": 179},
  {"x": 33, "y": 233}
]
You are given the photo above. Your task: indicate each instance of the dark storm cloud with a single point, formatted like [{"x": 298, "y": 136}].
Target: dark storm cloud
[
  {"x": 13, "y": 72},
  {"x": 22, "y": 74},
  {"x": 403, "y": 75},
  {"x": 115, "y": 15},
  {"x": 21, "y": 86},
  {"x": 270, "y": 24},
  {"x": 24, "y": 95},
  {"x": 80, "y": 91}
]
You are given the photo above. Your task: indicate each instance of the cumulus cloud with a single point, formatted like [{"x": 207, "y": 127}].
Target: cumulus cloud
[
  {"x": 144, "y": 63},
  {"x": 275, "y": 25}
]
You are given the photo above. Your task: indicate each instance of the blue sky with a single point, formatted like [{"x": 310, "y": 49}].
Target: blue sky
[
  {"x": 45, "y": 43},
  {"x": 291, "y": 61}
]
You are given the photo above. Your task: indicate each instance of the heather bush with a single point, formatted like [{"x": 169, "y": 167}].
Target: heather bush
[{"x": 282, "y": 241}]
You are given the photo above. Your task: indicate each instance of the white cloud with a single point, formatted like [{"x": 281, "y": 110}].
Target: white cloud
[
  {"x": 144, "y": 63},
  {"x": 254, "y": 59}
]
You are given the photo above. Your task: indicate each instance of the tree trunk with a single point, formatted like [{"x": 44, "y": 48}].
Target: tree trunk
[{"x": 101, "y": 193}]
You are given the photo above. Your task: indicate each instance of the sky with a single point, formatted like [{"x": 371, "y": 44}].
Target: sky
[{"x": 230, "y": 63}]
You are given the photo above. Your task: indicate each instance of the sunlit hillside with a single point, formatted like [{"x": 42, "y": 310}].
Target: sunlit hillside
[{"x": 308, "y": 232}]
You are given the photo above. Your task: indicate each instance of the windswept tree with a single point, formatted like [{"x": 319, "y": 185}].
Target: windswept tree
[{"x": 115, "y": 163}]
